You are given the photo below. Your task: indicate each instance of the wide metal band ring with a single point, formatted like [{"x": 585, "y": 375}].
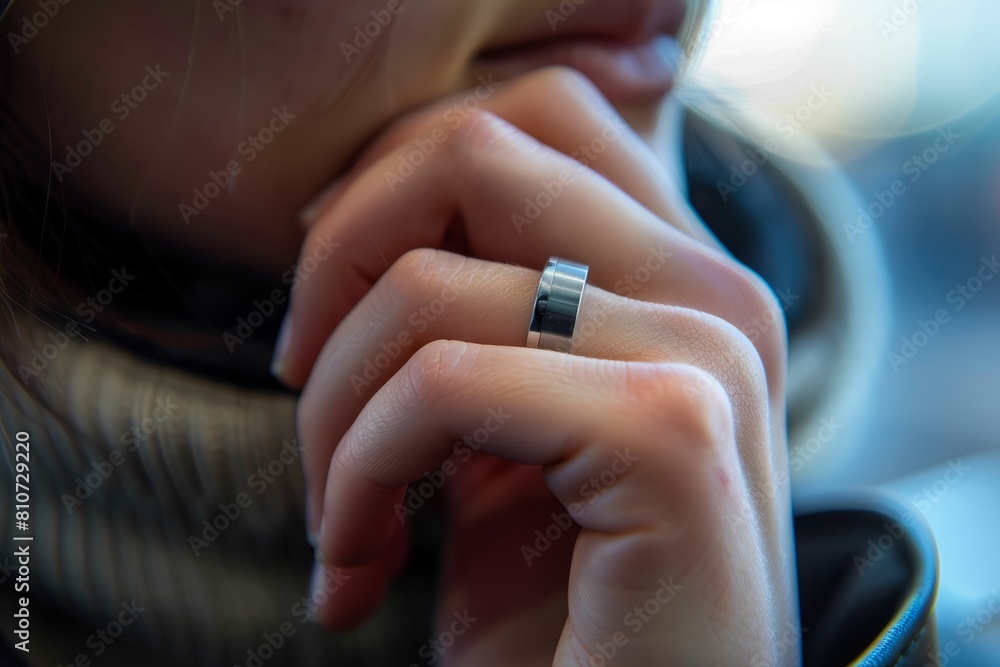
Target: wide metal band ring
[{"x": 557, "y": 305}]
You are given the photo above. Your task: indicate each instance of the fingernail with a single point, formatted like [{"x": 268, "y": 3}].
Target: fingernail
[
  {"x": 315, "y": 587},
  {"x": 313, "y": 536},
  {"x": 281, "y": 347},
  {"x": 314, "y": 208}
]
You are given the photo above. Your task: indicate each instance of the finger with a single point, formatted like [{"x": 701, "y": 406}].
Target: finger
[
  {"x": 677, "y": 472},
  {"x": 558, "y": 105},
  {"x": 563, "y": 109},
  {"x": 358, "y": 591},
  {"x": 433, "y": 295},
  {"x": 490, "y": 168},
  {"x": 538, "y": 407}
]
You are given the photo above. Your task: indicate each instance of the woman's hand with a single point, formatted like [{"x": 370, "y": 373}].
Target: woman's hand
[{"x": 661, "y": 436}]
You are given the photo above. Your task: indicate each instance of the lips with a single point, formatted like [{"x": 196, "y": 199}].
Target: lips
[
  {"x": 625, "y": 48},
  {"x": 625, "y": 74}
]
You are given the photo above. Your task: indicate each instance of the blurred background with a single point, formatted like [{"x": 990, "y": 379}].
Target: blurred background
[{"x": 905, "y": 96}]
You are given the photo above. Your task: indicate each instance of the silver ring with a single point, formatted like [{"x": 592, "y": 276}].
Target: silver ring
[{"x": 557, "y": 305}]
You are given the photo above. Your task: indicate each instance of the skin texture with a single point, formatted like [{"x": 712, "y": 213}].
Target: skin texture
[
  {"x": 227, "y": 71},
  {"x": 661, "y": 436},
  {"x": 664, "y": 374}
]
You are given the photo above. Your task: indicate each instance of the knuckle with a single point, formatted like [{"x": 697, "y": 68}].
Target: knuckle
[
  {"x": 402, "y": 131},
  {"x": 716, "y": 345},
  {"x": 478, "y": 130},
  {"x": 560, "y": 81},
  {"x": 739, "y": 356},
  {"x": 413, "y": 264},
  {"x": 761, "y": 316},
  {"x": 685, "y": 401},
  {"x": 435, "y": 371},
  {"x": 415, "y": 275},
  {"x": 425, "y": 276}
]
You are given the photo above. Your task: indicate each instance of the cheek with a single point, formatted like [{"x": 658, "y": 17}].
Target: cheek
[
  {"x": 342, "y": 69},
  {"x": 113, "y": 72}
]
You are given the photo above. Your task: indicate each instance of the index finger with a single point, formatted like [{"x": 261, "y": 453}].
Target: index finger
[{"x": 474, "y": 197}]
